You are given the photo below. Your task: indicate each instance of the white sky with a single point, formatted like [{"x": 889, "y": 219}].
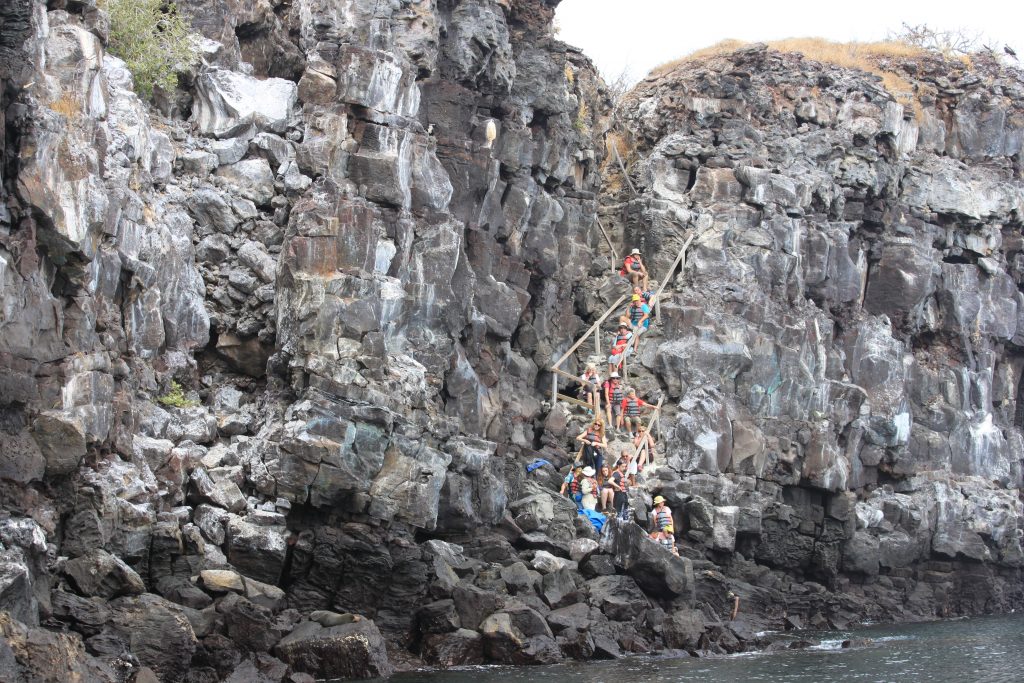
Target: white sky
[{"x": 637, "y": 35}]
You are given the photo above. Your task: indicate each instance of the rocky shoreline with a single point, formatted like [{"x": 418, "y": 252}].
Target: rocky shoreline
[{"x": 274, "y": 348}]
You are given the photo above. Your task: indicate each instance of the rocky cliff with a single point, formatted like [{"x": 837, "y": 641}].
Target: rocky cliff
[
  {"x": 843, "y": 347},
  {"x": 273, "y": 348}
]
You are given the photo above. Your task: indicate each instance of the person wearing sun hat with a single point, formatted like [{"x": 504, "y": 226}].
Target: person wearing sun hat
[
  {"x": 664, "y": 529},
  {"x": 614, "y": 392},
  {"x": 588, "y": 485},
  {"x": 633, "y": 268},
  {"x": 661, "y": 519}
]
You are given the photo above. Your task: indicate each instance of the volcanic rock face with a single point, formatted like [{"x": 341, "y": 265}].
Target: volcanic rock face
[
  {"x": 272, "y": 348},
  {"x": 349, "y": 239},
  {"x": 843, "y": 345}
]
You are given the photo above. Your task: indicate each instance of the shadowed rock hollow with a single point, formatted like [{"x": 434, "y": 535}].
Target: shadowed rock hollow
[{"x": 273, "y": 348}]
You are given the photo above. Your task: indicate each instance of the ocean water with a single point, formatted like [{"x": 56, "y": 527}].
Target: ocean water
[{"x": 989, "y": 649}]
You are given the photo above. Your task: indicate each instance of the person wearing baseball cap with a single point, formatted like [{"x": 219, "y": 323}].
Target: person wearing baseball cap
[{"x": 639, "y": 317}]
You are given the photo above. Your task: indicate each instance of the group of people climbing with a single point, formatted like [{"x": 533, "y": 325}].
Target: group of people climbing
[
  {"x": 622, "y": 407},
  {"x": 594, "y": 482},
  {"x": 604, "y": 489},
  {"x": 637, "y": 319}
]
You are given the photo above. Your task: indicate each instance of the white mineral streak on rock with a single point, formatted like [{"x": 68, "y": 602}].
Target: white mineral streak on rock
[{"x": 228, "y": 102}]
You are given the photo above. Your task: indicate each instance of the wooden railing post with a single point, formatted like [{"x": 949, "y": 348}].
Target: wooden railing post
[
  {"x": 656, "y": 299},
  {"x": 615, "y": 254},
  {"x": 654, "y": 419},
  {"x": 595, "y": 329}
]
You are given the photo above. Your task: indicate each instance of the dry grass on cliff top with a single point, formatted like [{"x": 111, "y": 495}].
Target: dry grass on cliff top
[{"x": 863, "y": 56}]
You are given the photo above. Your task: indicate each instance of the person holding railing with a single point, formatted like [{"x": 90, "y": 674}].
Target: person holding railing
[
  {"x": 645, "y": 442},
  {"x": 639, "y": 318}
]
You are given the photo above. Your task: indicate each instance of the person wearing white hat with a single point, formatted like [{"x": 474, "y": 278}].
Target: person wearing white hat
[
  {"x": 614, "y": 392},
  {"x": 664, "y": 528},
  {"x": 588, "y": 485},
  {"x": 633, "y": 268}
]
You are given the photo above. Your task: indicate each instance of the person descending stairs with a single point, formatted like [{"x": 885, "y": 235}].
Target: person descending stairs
[{"x": 615, "y": 443}]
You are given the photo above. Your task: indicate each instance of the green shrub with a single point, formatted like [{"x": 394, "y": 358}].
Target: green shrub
[
  {"x": 153, "y": 40},
  {"x": 176, "y": 398}
]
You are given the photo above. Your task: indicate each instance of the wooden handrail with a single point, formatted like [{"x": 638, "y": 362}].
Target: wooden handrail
[
  {"x": 575, "y": 401},
  {"x": 615, "y": 254},
  {"x": 555, "y": 370},
  {"x": 650, "y": 425},
  {"x": 655, "y": 300},
  {"x": 589, "y": 332},
  {"x": 565, "y": 374},
  {"x": 625, "y": 173}
]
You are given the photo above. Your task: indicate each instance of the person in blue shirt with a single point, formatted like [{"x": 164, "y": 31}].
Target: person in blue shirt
[{"x": 639, "y": 317}]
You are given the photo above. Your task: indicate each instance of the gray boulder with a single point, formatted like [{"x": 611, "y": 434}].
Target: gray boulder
[
  {"x": 228, "y": 102},
  {"x": 98, "y": 573},
  {"x": 348, "y": 651}
]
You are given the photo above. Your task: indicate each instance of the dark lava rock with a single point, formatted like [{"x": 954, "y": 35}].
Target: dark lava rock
[{"x": 348, "y": 651}]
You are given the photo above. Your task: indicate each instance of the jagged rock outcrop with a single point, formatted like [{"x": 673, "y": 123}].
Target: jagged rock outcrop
[
  {"x": 841, "y": 349},
  {"x": 272, "y": 347},
  {"x": 282, "y": 322}
]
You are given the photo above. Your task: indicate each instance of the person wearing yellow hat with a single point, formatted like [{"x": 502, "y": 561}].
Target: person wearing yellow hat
[
  {"x": 662, "y": 517},
  {"x": 639, "y": 317},
  {"x": 664, "y": 528}
]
